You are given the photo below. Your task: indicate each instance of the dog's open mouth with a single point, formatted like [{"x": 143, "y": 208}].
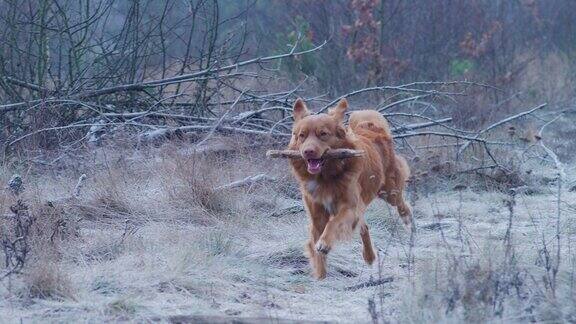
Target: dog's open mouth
[{"x": 315, "y": 165}]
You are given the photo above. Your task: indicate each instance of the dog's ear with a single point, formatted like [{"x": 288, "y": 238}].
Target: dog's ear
[
  {"x": 300, "y": 110},
  {"x": 339, "y": 111}
]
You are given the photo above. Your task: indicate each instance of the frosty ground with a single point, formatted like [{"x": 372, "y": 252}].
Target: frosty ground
[{"x": 149, "y": 238}]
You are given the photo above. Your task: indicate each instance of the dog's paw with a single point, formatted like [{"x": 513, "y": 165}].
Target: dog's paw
[
  {"x": 369, "y": 256},
  {"x": 320, "y": 274},
  {"x": 322, "y": 247},
  {"x": 410, "y": 225}
]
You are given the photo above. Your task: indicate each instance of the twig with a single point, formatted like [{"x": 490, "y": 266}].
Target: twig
[
  {"x": 560, "y": 177},
  {"x": 559, "y": 166},
  {"x": 79, "y": 185},
  {"x": 219, "y": 122}
]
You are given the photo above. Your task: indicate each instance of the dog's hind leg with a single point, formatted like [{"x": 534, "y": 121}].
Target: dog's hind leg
[
  {"x": 396, "y": 199},
  {"x": 368, "y": 249}
]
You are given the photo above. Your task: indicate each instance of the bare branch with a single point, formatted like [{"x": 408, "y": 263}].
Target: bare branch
[
  {"x": 26, "y": 85},
  {"x": 195, "y": 75},
  {"x": 404, "y": 88}
]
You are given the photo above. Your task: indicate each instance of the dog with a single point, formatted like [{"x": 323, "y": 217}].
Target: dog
[{"x": 336, "y": 192}]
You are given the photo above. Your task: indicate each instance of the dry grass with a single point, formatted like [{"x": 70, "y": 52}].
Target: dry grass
[
  {"x": 46, "y": 280},
  {"x": 150, "y": 238}
]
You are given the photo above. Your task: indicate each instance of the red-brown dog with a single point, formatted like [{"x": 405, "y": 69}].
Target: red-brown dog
[{"x": 336, "y": 192}]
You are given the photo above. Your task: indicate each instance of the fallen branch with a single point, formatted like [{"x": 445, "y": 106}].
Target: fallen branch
[
  {"x": 331, "y": 154},
  {"x": 457, "y": 136},
  {"x": 248, "y": 181},
  {"x": 370, "y": 283},
  {"x": 399, "y": 102},
  {"x": 288, "y": 211},
  {"x": 421, "y": 125},
  {"x": 501, "y": 122}
]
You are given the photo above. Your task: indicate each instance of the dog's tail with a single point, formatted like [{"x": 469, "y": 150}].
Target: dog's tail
[{"x": 370, "y": 120}]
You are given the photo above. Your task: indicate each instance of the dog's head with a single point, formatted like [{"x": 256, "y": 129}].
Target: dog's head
[{"x": 313, "y": 135}]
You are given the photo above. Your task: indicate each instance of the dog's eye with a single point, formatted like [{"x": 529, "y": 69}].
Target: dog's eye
[
  {"x": 302, "y": 135},
  {"x": 323, "y": 134}
]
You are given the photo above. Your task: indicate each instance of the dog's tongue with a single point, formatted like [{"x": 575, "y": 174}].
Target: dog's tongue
[{"x": 314, "y": 165}]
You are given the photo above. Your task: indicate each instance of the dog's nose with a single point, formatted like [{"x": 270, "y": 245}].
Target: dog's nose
[{"x": 309, "y": 153}]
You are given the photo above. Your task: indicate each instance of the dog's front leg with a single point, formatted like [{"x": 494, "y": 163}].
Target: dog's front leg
[
  {"x": 342, "y": 224},
  {"x": 318, "y": 219},
  {"x": 317, "y": 259}
]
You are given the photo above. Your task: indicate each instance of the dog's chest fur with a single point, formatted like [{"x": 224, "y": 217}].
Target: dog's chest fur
[{"x": 321, "y": 195}]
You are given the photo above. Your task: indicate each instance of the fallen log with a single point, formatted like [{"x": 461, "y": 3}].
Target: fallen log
[{"x": 331, "y": 154}]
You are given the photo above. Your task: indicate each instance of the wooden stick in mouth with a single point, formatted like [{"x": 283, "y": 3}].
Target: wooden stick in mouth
[{"x": 330, "y": 154}]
